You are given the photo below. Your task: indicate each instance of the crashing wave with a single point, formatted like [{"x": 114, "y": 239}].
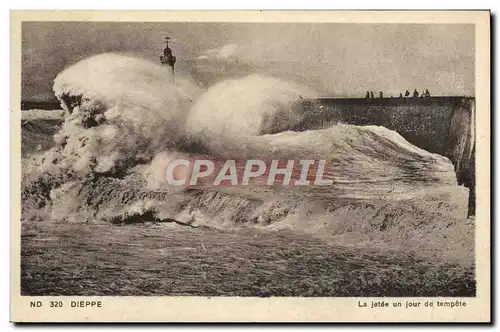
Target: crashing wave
[{"x": 126, "y": 118}]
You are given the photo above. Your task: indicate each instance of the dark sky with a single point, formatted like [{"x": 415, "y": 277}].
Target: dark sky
[{"x": 337, "y": 59}]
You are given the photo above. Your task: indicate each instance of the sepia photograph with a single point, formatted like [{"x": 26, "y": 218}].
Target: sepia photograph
[{"x": 286, "y": 159}]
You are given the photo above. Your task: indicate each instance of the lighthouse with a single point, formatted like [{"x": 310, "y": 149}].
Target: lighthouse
[{"x": 167, "y": 59}]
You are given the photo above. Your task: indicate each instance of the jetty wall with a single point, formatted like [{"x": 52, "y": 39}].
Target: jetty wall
[{"x": 443, "y": 125}]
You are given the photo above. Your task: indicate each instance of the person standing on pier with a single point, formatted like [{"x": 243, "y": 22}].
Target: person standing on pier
[
  {"x": 367, "y": 95},
  {"x": 415, "y": 93},
  {"x": 407, "y": 93},
  {"x": 371, "y": 95}
]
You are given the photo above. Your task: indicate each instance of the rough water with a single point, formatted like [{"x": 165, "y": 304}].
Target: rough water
[{"x": 126, "y": 119}]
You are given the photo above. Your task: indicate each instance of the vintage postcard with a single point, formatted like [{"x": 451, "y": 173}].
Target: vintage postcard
[{"x": 305, "y": 166}]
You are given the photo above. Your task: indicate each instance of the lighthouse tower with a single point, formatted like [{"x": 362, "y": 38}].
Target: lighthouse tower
[{"x": 167, "y": 59}]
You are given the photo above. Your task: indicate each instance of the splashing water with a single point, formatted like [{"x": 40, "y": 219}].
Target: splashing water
[
  {"x": 128, "y": 110},
  {"x": 126, "y": 119}
]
